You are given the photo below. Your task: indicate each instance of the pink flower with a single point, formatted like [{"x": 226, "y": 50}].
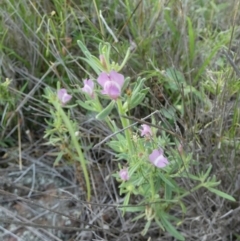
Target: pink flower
[
  {"x": 88, "y": 87},
  {"x": 157, "y": 158},
  {"x": 111, "y": 83},
  {"x": 124, "y": 174},
  {"x": 146, "y": 131},
  {"x": 63, "y": 96}
]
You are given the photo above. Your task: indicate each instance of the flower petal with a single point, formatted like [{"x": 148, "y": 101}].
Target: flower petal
[
  {"x": 66, "y": 97},
  {"x": 146, "y": 131},
  {"x": 88, "y": 87},
  {"x": 111, "y": 83},
  {"x": 112, "y": 90},
  {"x": 155, "y": 154},
  {"x": 63, "y": 96},
  {"x": 123, "y": 173},
  {"x": 161, "y": 162},
  {"x": 89, "y": 82},
  {"x": 116, "y": 77},
  {"x": 60, "y": 93},
  {"x": 157, "y": 158},
  {"x": 103, "y": 78}
]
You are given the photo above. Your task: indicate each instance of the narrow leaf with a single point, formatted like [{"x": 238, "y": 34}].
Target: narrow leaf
[
  {"x": 170, "y": 228},
  {"x": 221, "y": 194},
  {"x": 147, "y": 226},
  {"x": 167, "y": 181},
  {"x": 85, "y": 105},
  {"x": 105, "y": 112}
]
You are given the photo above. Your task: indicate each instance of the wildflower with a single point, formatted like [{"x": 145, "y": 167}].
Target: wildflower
[
  {"x": 157, "y": 158},
  {"x": 111, "y": 83},
  {"x": 63, "y": 96},
  {"x": 124, "y": 174},
  {"x": 88, "y": 87},
  {"x": 146, "y": 131}
]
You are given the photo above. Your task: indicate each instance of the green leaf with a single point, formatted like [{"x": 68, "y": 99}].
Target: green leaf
[
  {"x": 85, "y": 105},
  {"x": 105, "y": 112},
  {"x": 126, "y": 83},
  {"x": 126, "y": 201},
  {"x": 135, "y": 100},
  {"x": 169, "y": 113},
  {"x": 168, "y": 182},
  {"x": 59, "y": 157},
  {"x": 170, "y": 228},
  {"x": 90, "y": 59},
  {"x": 168, "y": 193},
  {"x": 147, "y": 226},
  {"x": 221, "y": 194},
  {"x": 175, "y": 75},
  {"x": 95, "y": 66},
  {"x": 138, "y": 85},
  {"x": 138, "y": 216},
  {"x": 205, "y": 176},
  {"x": 133, "y": 209},
  {"x": 184, "y": 209},
  {"x": 116, "y": 146},
  {"x": 83, "y": 48}
]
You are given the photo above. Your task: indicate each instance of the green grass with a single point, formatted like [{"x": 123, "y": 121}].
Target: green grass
[{"x": 178, "y": 46}]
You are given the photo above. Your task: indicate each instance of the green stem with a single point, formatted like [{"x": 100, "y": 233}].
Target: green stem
[
  {"x": 152, "y": 185},
  {"x": 98, "y": 16},
  {"x": 125, "y": 124},
  {"x": 77, "y": 147},
  {"x": 125, "y": 59}
]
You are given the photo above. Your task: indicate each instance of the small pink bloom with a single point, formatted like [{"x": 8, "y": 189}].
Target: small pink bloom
[
  {"x": 124, "y": 174},
  {"x": 63, "y": 96},
  {"x": 146, "y": 131},
  {"x": 157, "y": 158},
  {"x": 88, "y": 87},
  {"x": 111, "y": 83}
]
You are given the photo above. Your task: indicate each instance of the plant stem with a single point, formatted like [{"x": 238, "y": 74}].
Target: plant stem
[
  {"x": 125, "y": 124},
  {"x": 77, "y": 147}
]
